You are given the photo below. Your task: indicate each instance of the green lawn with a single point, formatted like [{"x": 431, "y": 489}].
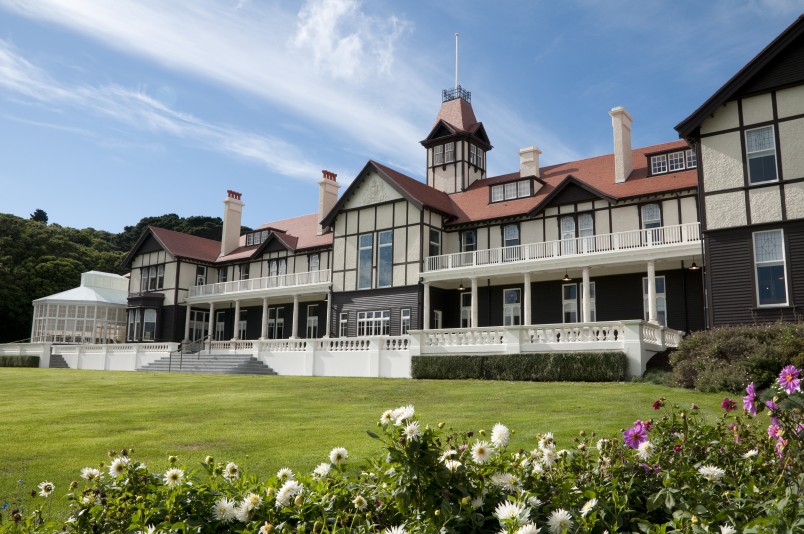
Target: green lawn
[{"x": 57, "y": 421}]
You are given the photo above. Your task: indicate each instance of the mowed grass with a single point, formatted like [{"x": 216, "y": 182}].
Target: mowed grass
[{"x": 57, "y": 421}]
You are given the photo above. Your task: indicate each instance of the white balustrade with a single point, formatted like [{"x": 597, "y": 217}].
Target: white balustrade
[
  {"x": 632, "y": 239},
  {"x": 266, "y": 282},
  {"x": 575, "y": 333}
]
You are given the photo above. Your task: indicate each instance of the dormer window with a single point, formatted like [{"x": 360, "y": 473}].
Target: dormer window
[
  {"x": 256, "y": 238},
  {"x": 673, "y": 162},
  {"x": 510, "y": 191}
]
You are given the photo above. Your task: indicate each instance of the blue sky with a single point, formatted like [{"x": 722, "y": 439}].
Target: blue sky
[{"x": 113, "y": 111}]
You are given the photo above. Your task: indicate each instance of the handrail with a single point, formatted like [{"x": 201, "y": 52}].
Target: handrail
[
  {"x": 266, "y": 282},
  {"x": 613, "y": 242}
]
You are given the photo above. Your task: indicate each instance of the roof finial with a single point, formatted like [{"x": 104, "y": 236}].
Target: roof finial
[{"x": 456, "y": 62}]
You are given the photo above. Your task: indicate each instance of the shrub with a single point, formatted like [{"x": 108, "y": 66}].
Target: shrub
[
  {"x": 19, "y": 361},
  {"x": 539, "y": 367},
  {"x": 728, "y": 358},
  {"x": 674, "y": 473}
]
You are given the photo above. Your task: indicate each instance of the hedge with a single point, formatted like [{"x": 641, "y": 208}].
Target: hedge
[
  {"x": 19, "y": 361},
  {"x": 531, "y": 367}
]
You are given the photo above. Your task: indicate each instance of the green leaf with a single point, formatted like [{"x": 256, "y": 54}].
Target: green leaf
[{"x": 372, "y": 434}]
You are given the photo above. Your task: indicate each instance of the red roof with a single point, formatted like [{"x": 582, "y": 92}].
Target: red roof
[
  {"x": 459, "y": 114},
  {"x": 187, "y": 246},
  {"x": 597, "y": 173},
  {"x": 421, "y": 192}
]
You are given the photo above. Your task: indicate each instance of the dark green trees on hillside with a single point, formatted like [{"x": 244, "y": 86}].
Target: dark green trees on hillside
[{"x": 38, "y": 259}]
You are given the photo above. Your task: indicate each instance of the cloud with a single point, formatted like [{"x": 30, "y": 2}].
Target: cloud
[{"x": 143, "y": 112}]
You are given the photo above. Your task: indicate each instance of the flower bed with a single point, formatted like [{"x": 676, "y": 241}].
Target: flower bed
[{"x": 673, "y": 473}]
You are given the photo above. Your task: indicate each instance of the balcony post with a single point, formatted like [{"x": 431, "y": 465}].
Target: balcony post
[
  {"x": 236, "y": 332},
  {"x": 652, "y": 316},
  {"x": 187, "y": 324},
  {"x": 527, "y": 302},
  {"x": 295, "y": 325},
  {"x": 211, "y": 325},
  {"x": 328, "y": 327},
  {"x": 426, "y": 311},
  {"x": 474, "y": 303},
  {"x": 264, "y": 325},
  {"x": 587, "y": 312}
]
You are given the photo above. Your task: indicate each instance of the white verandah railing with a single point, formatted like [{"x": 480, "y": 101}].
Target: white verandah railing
[
  {"x": 266, "y": 282},
  {"x": 615, "y": 242}
]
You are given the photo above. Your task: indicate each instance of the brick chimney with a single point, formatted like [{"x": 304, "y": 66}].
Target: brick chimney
[
  {"x": 232, "y": 217},
  {"x": 621, "y": 124},
  {"x": 327, "y": 196}
]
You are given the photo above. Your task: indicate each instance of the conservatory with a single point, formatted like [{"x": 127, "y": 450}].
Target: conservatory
[{"x": 93, "y": 313}]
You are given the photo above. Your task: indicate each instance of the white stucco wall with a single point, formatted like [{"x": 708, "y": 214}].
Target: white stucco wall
[
  {"x": 791, "y": 136},
  {"x": 757, "y": 109},
  {"x": 766, "y": 205},
  {"x": 722, "y": 161},
  {"x": 790, "y": 102},
  {"x": 725, "y": 117},
  {"x": 725, "y": 210},
  {"x": 794, "y": 200},
  {"x": 625, "y": 218}
]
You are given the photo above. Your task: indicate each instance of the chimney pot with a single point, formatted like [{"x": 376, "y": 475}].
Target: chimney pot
[
  {"x": 328, "y": 175},
  {"x": 327, "y": 196}
]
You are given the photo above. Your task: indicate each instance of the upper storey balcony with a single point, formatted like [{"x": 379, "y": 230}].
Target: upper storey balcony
[
  {"x": 279, "y": 285},
  {"x": 664, "y": 242}
]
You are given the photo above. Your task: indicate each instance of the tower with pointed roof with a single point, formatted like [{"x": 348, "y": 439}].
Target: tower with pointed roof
[{"x": 457, "y": 144}]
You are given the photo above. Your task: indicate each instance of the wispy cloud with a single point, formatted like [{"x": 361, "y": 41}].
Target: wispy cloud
[{"x": 138, "y": 110}]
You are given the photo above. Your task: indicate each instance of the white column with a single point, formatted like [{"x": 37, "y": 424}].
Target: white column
[
  {"x": 426, "y": 311},
  {"x": 474, "y": 303},
  {"x": 527, "y": 302},
  {"x": 652, "y": 316},
  {"x": 236, "y": 332},
  {"x": 187, "y": 324},
  {"x": 264, "y": 326},
  {"x": 587, "y": 313},
  {"x": 328, "y": 327},
  {"x": 295, "y": 325},
  {"x": 210, "y": 333}
]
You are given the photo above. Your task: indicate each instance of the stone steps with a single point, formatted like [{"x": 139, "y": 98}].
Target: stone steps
[
  {"x": 58, "y": 362},
  {"x": 227, "y": 364}
]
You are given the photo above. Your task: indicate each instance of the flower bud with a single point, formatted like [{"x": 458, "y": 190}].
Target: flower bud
[
  {"x": 441, "y": 425},
  {"x": 298, "y": 500},
  {"x": 172, "y": 459}
]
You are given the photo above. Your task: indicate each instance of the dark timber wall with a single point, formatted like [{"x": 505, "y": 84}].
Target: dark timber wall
[
  {"x": 731, "y": 274},
  {"x": 393, "y": 299}
]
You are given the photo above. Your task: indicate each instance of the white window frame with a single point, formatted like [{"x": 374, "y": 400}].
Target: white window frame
[
  {"x": 691, "y": 159},
  {"x": 567, "y": 228},
  {"x": 220, "y": 325},
  {"x": 523, "y": 188},
  {"x": 438, "y": 155},
  {"x": 242, "y": 325},
  {"x": 343, "y": 324},
  {"x": 658, "y": 164},
  {"x": 661, "y": 299},
  {"x": 200, "y": 275},
  {"x": 675, "y": 161},
  {"x": 276, "y": 322},
  {"x": 435, "y": 242},
  {"x": 761, "y": 153},
  {"x": 312, "y": 321},
  {"x": 313, "y": 262},
  {"x": 449, "y": 152},
  {"x": 250, "y": 240},
  {"x": 569, "y": 304},
  {"x": 510, "y": 190},
  {"x": 467, "y": 244},
  {"x": 385, "y": 258},
  {"x": 374, "y": 323},
  {"x": 243, "y": 270},
  {"x": 365, "y": 263},
  {"x": 764, "y": 261},
  {"x": 497, "y": 193},
  {"x": 472, "y": 155},
  {"x": 438, "y": 319},
  {"x": 512, "y": 307},
  {"x": 404, "y": 321},
  {"x": 466, "y": 309}
]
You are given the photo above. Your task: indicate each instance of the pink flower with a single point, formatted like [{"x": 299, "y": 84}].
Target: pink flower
[
  {"x": 749, "y": 401},
  {"x": 728, "y": 405},
  {"x": 773, "y": 409},
  {"x": 635, "y": 435},
  {"x": 780, "y": 445},
  {"x": 658, "y": 404},
  {"x": 775, "y": 431},
  {"x": 789, "y": 380}
]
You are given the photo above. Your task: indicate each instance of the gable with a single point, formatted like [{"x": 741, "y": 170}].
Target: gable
[
  {"x": 372, "y": 190},
  {"x": 275, "y": 245},
  {"x": 785, "y": 69},
  {"x": 570, "y": 194},
  {"x": 440, "y": 131},
  {"x": 149, "y": 245}
]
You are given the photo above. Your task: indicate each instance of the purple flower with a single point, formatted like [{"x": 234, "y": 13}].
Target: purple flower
[
  {"x": 635, "y": 435},
  {"x": 728, "y": 405},
  {"x": 799, "y": 428},
  {"x": 749, "y": 401},
  {"x": 775, "y": 431},
  {"x": 789, "y": 380},
  {"x": 780, "y": 445}
]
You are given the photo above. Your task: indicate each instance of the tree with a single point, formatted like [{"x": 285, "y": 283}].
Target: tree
[{"x": 40, "y": 216}]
